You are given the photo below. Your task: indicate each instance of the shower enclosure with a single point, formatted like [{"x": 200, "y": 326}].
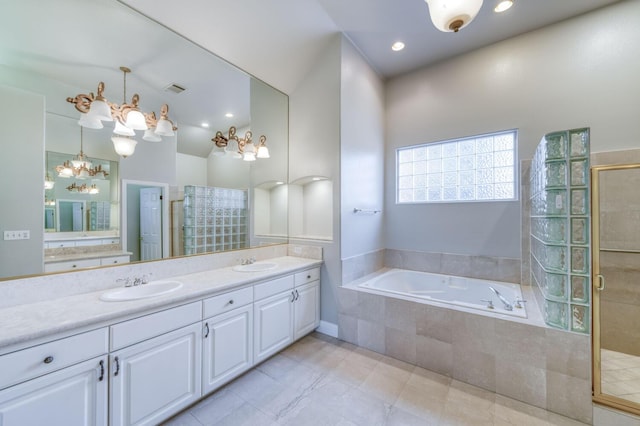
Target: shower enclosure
[{"x": 616, "y": 285}]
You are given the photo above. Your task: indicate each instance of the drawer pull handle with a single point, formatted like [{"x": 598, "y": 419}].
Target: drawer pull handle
[
  {"x": 101, "y": 371},
  {"x": 297, "y": 295},
  {"x": 117, "y": 362},
  {"x": 206, "y": 327},
  {"x": 231, "y": 302},
  {"x": 48, "y": 360},
  {"x": 293, "y": 297}
]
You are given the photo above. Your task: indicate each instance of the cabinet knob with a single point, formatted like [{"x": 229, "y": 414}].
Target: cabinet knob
[
  {"x": 74, "y": 266},
  {"x": 308, "y": 276},
  {"x": 48, "y": 360},
  {"x": 231, "y": 302}
]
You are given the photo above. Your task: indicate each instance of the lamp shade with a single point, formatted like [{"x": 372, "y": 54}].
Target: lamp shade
[
  {"x": 123, "y": 130},
  {"x": 263, "y": 152},
  {"x": 150, "y": 136},
  {"x": 249, "y": 156},
  {"x": 453, "y": 15},
  {"x": 124, "y": 146},
  {"x": 87, "y": 122},
  {"x": 99, "y": 110},
  {"x": 135, "y": 120},
  {"x": 164, "y": 128}
]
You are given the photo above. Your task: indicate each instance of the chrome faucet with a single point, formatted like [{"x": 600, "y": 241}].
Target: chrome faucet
[{"x": 505, "y": 302}]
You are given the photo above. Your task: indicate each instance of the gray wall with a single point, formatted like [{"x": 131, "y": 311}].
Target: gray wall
[
  {"x": 581, "y": 72},
  {"x": 21, "y": 137}
]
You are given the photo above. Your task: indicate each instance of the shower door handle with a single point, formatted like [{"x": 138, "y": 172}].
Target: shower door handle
[{"x": 600, "y": 285}]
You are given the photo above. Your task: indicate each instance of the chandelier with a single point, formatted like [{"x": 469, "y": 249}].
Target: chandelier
[
  {"x": 453, "y": 15},
  {"x": 128, "y": 118},
  {"x": 83, "y": 189},
  {"x": 241, "y": 148},
  {"x": 80, "y": 167}
]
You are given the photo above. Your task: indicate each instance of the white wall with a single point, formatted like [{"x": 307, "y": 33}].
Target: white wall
[
  {"x": 581, "y": 72},
  {"x": 22, "y": 189},
  {"x": 190, "y": 170},
  {"x": 361, "y": 154},
  {"x": 314, "y": 147}
]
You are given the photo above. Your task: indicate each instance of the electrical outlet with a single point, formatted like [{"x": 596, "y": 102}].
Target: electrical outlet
[{"x": 17, "y": 235}]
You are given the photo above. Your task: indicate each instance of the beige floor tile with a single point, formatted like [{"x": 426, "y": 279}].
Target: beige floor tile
[{"x": 382, "y": 386}]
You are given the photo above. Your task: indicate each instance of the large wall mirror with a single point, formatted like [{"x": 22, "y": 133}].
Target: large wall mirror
[{"x": 178, "y": 195}]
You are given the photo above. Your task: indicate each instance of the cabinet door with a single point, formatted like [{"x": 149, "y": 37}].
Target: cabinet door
[
  {"x": 75, "y": 395},
  {"x": 228, "y": 347},
  {"x": 273, "y": 328},
  {"x": 155, "y": 379},
  {"x": 306, "y": 309}
]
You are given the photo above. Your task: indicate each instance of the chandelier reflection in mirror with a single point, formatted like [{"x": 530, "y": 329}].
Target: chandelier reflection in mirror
[
  {"x": 240, "y": 148},
  {"x": 84, "y": 188},
  {"x": 128, "y": 118},
  {"x": 80, "y": 167}
]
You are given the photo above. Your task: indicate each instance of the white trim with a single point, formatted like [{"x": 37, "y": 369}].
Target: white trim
[{"x": 328, "y": 328}]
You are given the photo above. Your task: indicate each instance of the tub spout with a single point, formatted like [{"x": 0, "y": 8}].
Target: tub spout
[{"x": 505, "y": 302}]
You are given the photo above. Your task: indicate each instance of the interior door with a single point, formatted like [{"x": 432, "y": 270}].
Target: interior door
[
  {"x": 616, "y": 286},
  {"x": 150, "y": 223}
]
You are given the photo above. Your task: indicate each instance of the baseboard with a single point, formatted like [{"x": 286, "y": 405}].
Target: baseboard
[{"x": 328, "y": 328}]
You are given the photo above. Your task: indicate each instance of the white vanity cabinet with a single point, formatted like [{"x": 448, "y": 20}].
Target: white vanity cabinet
[
  {"x": 306, "y": 309},
  {"x": 63, "y": 382},
  {"x": 285, "y": 310},
  {"x": 228, "y": 337},
  {"x": 156, "y": 378}
]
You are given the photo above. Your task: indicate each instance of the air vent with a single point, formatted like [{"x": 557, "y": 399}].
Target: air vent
[{"x": 174, "y": 88}]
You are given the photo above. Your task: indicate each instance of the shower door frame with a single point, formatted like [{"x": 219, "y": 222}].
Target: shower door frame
[{"x": 597, "y": 285}]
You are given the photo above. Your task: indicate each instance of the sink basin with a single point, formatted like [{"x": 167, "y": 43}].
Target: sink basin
[
  {"x": 255, "y": 267},
  {"x": 143, "y": 291}
]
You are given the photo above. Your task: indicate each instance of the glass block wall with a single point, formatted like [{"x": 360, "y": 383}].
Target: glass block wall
[
  {"x": 215, "y": 219},
  {"x": 560, "y": 248},
  {"x": 99, "y": 216}
]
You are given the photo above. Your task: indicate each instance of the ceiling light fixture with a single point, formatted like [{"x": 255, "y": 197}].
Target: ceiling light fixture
[
  {"x": 503, "y": 5},
  {"x": 128, "y": 117},
  {"x": 236, "y": 147},
  {"x": 453, "y": 15},
  {"x": 397, "y": 46},
  {"x": 228, "y": 115}
]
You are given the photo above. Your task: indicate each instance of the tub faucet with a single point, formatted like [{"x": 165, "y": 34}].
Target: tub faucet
[{"x": 505, "y": 302}]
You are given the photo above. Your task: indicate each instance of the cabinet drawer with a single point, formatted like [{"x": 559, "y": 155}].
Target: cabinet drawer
[
  {"x": 32, "y": 362},
  {"x": 74, "y": 264},
  {"x": 85, "y": 243},
  {"x": 227, "y": 301},
  {"x": 143, "y": 328},
  {"x": 307, "y": 276},
  {"x": 272, "y": 287},
  {"x": 60, "y": 244},
  {"x": 115, "y": 260},
  {"x": 110, "y": 241}
]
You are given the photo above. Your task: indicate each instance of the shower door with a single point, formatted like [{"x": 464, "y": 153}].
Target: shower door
[{"x": 616, "y": 285}]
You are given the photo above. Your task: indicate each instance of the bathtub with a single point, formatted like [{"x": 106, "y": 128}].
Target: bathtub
[{"x": 465, "y": 292}]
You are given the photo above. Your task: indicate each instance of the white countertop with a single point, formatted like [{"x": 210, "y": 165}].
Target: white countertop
[
  {"x": 82, "y": 256},
  {"x": 26, "y": 322}
]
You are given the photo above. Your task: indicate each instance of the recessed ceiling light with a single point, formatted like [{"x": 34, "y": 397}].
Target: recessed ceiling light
[
  {"x": 397, "y": 46},
  {"x": 205, "y": 125},
  {"x": 279, "y": 183},
  {"x": 503, "y": 5},
  {"x": 228, "y": 115}
]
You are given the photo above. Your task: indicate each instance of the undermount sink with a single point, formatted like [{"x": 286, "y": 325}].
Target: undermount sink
[
  {"x": 143, "y": 291},
  {"x": 255, "y": 267}
]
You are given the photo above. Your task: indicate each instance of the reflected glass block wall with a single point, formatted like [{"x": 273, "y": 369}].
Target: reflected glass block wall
[
  {"x": 215, "y": 219},
  {"x": 560, "y": 248}
]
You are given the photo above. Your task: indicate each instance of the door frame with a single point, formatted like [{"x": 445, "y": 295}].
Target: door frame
[
  {"x": 165, "y": 212},
  {"x": 596, "y": 285}
]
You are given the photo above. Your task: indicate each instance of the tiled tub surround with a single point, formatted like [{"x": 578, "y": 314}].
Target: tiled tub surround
[
  {"x": 480, "y": 267},
  {"x": 519, "y": 358}
]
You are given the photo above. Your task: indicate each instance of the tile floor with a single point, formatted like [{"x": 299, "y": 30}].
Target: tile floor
[
  {"x": 324, "y": 381},
  {"x": 620, "y": 375}
]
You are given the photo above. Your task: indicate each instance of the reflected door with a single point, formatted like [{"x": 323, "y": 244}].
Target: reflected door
[
  {"x": 150, "y": 223},
  {"x": 616, "y": 286}
]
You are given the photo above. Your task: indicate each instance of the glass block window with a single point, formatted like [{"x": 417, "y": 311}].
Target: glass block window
[{"x": 477, "y": 168}]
